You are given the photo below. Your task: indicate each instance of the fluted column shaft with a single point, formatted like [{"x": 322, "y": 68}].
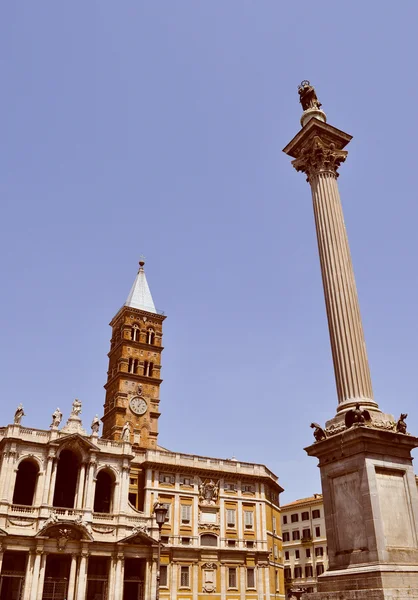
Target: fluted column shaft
[{"x": 352, "y": 373}]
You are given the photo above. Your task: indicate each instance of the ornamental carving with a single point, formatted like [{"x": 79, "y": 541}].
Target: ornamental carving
[
  {"x": 208, "y": 492},
  {"x": 319, "y": 157},
  {"x": 209, "y": 527}
]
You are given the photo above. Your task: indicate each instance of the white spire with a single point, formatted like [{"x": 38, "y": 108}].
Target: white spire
[{"x": 140, "y": 294}]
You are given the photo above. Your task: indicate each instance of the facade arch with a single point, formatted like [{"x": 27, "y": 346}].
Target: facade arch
[
  {"x": 25, "y": 485},
  {"x": 104, "y": 491}
]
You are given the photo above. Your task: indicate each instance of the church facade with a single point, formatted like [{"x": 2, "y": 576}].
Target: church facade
[{"x": 76, "y": 507}]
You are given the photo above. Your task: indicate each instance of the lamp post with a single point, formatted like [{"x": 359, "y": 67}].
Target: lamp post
[{"x": 160, "y": 512}]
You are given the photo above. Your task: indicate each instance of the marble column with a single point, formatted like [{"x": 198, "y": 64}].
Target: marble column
[
  {"x": 53, "y": 480},
  {"x": 71, "y": 580},
  {"x": 123, "y": 491},
  {"x": 28, "y": 576},
  {"x": 119, "y": 574},
  {"x": 318, "y": 152},
  {"x": 41, "y": 575},
  {"x": 47, "y": 480},
  {"x": 80, "y": 487},
  {"x": 90, "y": 486},
  {"x": 35, "y": 575},
  {"x": 82, "y": 576},
  {"x": 8, "y": 462}
]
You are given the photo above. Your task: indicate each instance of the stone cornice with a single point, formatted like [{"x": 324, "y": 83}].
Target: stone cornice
[
  {"x": 137, "y": 311},
  {"x": 366, "y": 440}
]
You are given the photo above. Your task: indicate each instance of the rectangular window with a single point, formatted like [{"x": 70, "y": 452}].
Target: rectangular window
[
  {"x": 308, "y": 553},
  {"x": 297, "y": 554},
  {"x": 275, "y": 552},
  {"x": 308, "y": 571},
  {"x": 231, "y": 543},
  {"x": 287, "y": 573},
  {"x": 250, "y": 544},
  {"x": 296, "y": 535},
  {"x": 248, "y": 519},
  {"x": 274, "y": 524},
  {"x": 248, "y": 489},
  {"x": 232, "y": 577},
  {"x": 298, "y": 572},
  {"x": 294, "y": 518},
  {"x": 286, "y": 536},
  {"x": 250, "y": 578},
  {"x": 286, "y": 555},
  {"x": 163, "y": 576},
  {"x": 276, "y": 580},
  {"x": 186, "y": 481},
  {"x": 185, "y": 577},
  {"x": 318, "y": 531},
  {"x": 306, "y": 534},
  {"x": 230, "y": 487},
  {"x": 186, "y": 513},
  {"x": 305, "y": 516},
  {"x": 316, "y": 514},
  {"x": 319, "y": 569},
  {"x": 284, "y": 519},
  {"x": 319, "y": 551},
  {"x": 185, "y": 541},
  {"x": 167, "y": 478},
  {"x": 230, "y": 517}
]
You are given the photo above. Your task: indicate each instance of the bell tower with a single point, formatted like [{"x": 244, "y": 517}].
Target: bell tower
[{"x": 131, "y": 408}]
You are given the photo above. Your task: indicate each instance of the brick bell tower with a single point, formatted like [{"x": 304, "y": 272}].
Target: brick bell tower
[{"x": 131, "y": 407}]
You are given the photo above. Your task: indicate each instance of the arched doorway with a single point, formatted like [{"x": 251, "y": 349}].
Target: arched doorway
[
  {"x": 103, "y": 496},
  {"x": 25, "y": 486},
  {"x": 66, "y": 481}
]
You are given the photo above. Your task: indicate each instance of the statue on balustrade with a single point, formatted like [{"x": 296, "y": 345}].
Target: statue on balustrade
[
  {"x": 19, "y": 414},
  {"x": 56, "y": 418}
]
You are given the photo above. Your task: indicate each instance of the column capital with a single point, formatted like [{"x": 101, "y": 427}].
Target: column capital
[
  {"x": 318, "y": 147},
  {"x": 319, "y": 156}
]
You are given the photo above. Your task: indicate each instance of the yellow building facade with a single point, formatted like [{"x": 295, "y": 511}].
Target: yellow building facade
[{"x": 76, "y": 508}]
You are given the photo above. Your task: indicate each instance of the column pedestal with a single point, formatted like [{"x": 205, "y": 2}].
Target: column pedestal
[{"x": 371, "y": 515}]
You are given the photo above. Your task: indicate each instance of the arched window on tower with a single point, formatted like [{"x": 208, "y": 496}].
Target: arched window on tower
[
  {"x": 135, "y": 333},
  {"x": 148, "y": 368},
  {"x": 25, "y": 486},
  {"x": 103, "y": 497},
  {"x": 150, "y": 336},
  {"x": 133, "y": 365}
]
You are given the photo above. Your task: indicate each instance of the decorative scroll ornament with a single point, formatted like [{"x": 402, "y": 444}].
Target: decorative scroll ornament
[{"x": 319, "y": 157}]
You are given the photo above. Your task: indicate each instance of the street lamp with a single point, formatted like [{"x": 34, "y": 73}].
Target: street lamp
[{"x": 160, "y": 512}]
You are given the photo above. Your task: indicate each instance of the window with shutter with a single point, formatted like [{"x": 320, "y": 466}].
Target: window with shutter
[
  {"x": 163, "y": 576},
  {"x": 232, "y": 577},
  {"x": 248, "y": 519},
  {"x": 230, "y": 517},
  {"x": 250, "y": 578},
  {"x": 185, "y": 577},
  {"x": 274, "y": 524},
  {"x": 186, "y": 513}
]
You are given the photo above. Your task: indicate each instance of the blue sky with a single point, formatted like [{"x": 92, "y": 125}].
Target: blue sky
[{"x": 157, "y": 128}]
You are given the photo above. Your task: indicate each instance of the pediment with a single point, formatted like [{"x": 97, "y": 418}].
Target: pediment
[
  {"x": 68, "y": 530},
  {"x": 77, "y": 439},
  {"x": 140, "y": 537}
]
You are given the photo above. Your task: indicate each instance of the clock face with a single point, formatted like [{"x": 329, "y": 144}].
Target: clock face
[{"x": 138, "y": 405}]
